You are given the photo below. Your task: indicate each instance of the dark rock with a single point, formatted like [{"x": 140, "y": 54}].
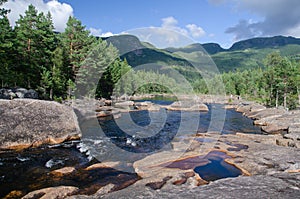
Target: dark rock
[
  {"x": 4, "y": 94},
  {"x": 158, "y": 185},
  {"x": 18, "y": 93},
  {"x": 32, "y": 94}
]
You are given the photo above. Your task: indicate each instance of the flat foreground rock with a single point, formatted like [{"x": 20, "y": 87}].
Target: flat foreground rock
[{"x": 275, "y": 186}]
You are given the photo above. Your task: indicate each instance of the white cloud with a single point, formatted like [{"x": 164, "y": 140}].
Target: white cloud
[
  {"x": 195, "y": 31},
  {"x": 60, "y": 11},
  {"x": 95, "y": 32},
  {"x": 169, "y": 22},
  {"x": 107, "y": 34},
  {"x": 169, "y": 34},
  {"x": 99, "y": 33},
  {"x": 161, "y": 37},
  {"x": 172, "y": 24},
  {"x": 191, "y": 30}
]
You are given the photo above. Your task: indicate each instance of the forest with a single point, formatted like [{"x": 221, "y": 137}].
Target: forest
[{"x": 33, "y": 55}]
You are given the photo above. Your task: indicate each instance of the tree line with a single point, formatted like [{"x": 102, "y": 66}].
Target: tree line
[{"x": 278, "y": 84}]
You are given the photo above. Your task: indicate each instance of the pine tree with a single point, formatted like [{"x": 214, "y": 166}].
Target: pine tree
[
  {"x": 99, "y": 60},
  {"x": 6, "y": 50},
  {"x": 34, "y": 44},
  {"x": 77, "y": 42}
]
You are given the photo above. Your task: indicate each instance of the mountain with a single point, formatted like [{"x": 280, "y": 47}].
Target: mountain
[
  {"x": 264, "y": 42},
  {"x": 139, "y": 53},
  {"x": 210, "y": 48},
  {"x": 241, "y": 55},
  {"x": 213, "y": 48}
]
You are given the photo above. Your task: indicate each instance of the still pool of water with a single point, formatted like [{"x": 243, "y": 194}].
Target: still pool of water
[{"x": 217, "y": 168}]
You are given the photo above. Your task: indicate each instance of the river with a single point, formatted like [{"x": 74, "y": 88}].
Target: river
[{"x": 125, "y": 140}]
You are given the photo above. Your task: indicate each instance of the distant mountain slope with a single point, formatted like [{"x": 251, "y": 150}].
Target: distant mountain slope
[
  {"x": 138, "y": 53},
  {"x": 264, "y": 42},
  {"x": 210, "y": 48},
  {"x": 242, "y": 55}
]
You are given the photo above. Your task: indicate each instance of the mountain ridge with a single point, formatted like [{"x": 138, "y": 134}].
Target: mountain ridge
[{"x": 245, "y": 54}]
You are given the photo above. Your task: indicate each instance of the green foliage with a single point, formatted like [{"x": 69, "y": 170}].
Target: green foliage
[
  {"x": 76, "y": 42},
  {"x": 34, "y": 44},
  {"x": 281, "y": 76},
  {"x": 6, "y": 52},
  {"x": 277, "y": 85},
  {"x": 110, "y": 78},
  {"x": 144, "y": 82}
]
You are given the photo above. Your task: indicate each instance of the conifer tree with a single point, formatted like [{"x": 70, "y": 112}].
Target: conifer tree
[
  {"x": 6, "y": 49},
  {"x": 34, "y": 44},
  {"x": 77, "y": 42}
]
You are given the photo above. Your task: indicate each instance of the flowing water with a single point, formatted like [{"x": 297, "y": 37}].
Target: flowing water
[{"x": 125, "y": 140}]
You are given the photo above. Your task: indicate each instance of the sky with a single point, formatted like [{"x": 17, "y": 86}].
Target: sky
[{"x": 203, "y": 21}]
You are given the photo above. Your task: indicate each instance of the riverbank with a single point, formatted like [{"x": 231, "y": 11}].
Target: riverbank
[{"x": 284, "y": 123}]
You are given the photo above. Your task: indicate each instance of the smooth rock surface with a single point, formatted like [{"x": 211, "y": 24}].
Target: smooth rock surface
[
  {"x": 274, "y": 186},
  {"x": 28, "y": 122},
  {"x": 52, "y": 192}
]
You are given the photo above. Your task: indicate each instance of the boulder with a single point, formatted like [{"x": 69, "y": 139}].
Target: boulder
[
  {"x": 52, "y": 192},
  {"x": 187, "y": 106},
  {"x": 4, "y": 94},
  {"x": 124, "y": 104},
  {"x": 146, "y": 106},
  {"x": 250, "y": 108},
  {"x": 266, "y": 113},
  {"x": 274, "y": 128},
  {"x": 18, "y": 93},
  {"x": 32, "y": 94},
  {"x": 63, "y": 171},
  {"x": 29, "y": 122}
]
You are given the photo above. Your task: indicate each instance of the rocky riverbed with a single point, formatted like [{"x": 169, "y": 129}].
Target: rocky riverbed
[{"x": 268, "y": 164}]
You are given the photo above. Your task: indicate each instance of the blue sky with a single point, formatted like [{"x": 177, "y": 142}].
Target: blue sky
[{"x": 220, "y": 21}]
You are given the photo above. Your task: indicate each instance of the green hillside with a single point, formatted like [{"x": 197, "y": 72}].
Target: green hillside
[{"x": 242, "y": 55}]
